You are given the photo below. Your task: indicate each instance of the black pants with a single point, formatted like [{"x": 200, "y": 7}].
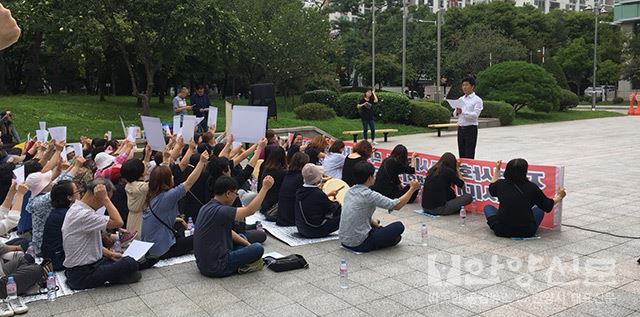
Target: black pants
[
  {"x": 25, "y": 273},
  {"x": 467, "y": 139},
  {"x": 380, "y": 238},
  {"x": 181, "y": 247},
  {"x": 123, "y": 271}
]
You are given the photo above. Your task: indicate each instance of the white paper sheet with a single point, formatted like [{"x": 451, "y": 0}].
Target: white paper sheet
[
  {"x": 153, "y": 132},
  {"x": 188, "y": 126},
  {"x": 19, "y": 173},
  {"x": 124, "y": 129},
  {"x": 228, "y": 114},
  {"x": 109, "y": 135},
  {"x": 455, "y": 103},
  {"x": 58, "y": 133},
  {"x": 274, "y": 255},
  {"x": 131, "y": 134},
  {"x": 63, "y": 154},
  {"x": 43, "y": 125},
  {"x": 137, "y": 249},
  {"x": 28, "y": 137},
  {"x": 213, "y": 117},
  {"x": 198, "y": 120},
  {"x": 42, "y": 136},
  {"x": 77, "y": 148},
  {"x": 248, "y": 123},
  {"x": 176, "y": 125}
]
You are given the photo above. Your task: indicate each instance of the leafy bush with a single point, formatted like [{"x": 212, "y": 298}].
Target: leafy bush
[
  {"x": 325, "y": 97},
  {"x": 323, "y": 82},
  {"x": 392, "y": 107},
  {"x": 555, "y": 69},
  {"x": 361, "y": 90},
  {"x": 314, "y": 111},
  {"x": 347, "y": 103},
  {"x": 567, "y": 99},
  {"x": 618, "y": 100},
  {"x": 426, "y": 113},
  {"x": 498, "y": 109},
  {"x": 520, "y": 84}
]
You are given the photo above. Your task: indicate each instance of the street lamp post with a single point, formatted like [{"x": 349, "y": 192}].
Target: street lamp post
[
  {"x": 373, "y": 44},
  {"x": 595, "y": 56},
  {"x": 438, "y": 23},
  {"x": 404, "y": 45}
]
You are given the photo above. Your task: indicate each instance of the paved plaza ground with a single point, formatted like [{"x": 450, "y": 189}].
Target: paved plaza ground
[{"x": 464, "y": 271}]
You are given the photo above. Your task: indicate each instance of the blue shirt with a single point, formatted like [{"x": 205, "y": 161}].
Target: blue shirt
[
  {"x": 198, "y": 103},
  {"x": 165, "y": 206},
  {"x": 24, "y": 224},
  {"x": 177, "y": 103},
  {"x": 52, "y": 247}
]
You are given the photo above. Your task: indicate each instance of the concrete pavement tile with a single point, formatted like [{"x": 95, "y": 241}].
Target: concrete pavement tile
[
  {"x": 383, "y": 307},
  {"x": 294, "y": 310},
  {"x": 506, "y": 311},
  {"x": 387, "y": 286},
  {"x": 324, "y": 304}
]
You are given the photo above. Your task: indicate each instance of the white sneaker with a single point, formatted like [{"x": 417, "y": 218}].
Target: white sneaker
[
  {"x": 5, "y": 309},
  {"x": 374, "y": 143},
  {"x": 17, "y": 306}
]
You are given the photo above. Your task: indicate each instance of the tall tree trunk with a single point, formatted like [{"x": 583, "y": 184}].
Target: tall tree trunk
[
  {"x": 132, "y": 72},
  {"x": 150, "y": 72},
  {"x": 162, "y": 87},
  {"x": 34, "y": 82}
]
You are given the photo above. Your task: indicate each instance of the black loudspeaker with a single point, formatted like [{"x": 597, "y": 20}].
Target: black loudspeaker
[{"x": 264, "y": 95}]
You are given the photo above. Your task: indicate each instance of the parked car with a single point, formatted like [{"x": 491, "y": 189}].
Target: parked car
[{"x": 599, "y": 91}]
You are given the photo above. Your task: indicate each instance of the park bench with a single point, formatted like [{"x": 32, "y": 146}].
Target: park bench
[
  {"x": 384, "y": 132},
  {"x": 442, "y": 126}
]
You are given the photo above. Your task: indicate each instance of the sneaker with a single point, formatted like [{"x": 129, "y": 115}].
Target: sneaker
[
  {"x": 17, "y": 306},
  {"x": 128, "y": 236},
  {"x": 374, "y": 143},
  {"x": 5, "y": 309},
  {"x": 251, "y": 267}
]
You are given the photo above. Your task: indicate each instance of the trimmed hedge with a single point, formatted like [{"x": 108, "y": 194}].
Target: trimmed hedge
[
  {"x": 392, "y": 107},
  {"x": 361, "y": 90},
  {"x": 314, "y": 111},
  {"x": 498, "y": 109},
  {"x": 567, "y": 99},
  {"x": 346, "y": 105},
  {"x": 426, "y": 113},
  {"x": 325, "y": 97}
]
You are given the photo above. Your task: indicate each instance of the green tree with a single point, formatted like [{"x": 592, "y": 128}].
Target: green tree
[
  {"x": 608, "y": 72},
  {"x": 555, "y": 69},
  {"x": 520, "y": 84},
  {"x": 576, "y": 61},
  {"x": 388, "y": 69}
]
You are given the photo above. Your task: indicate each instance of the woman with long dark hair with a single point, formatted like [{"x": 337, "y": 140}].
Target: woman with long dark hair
[
  {"x": 388, "y": 178},
  {"x": 438, "y": 196},
  {"x": 275, "y": 165},
  {"x": 162, "y": 212},
  {"x": 522, "y": 203},
  {"x": 362, "y": 151},
  {"x": 290, "y": 184},
  {"x": 365, "y": 106}
]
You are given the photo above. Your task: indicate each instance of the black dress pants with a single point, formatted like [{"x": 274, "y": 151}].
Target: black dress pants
[{"x": 467, "y": 139}]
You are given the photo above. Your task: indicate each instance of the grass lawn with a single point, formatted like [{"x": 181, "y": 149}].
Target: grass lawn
[
  {"x": 85, "y": 115},
  {"x": 527, "y": 116}
]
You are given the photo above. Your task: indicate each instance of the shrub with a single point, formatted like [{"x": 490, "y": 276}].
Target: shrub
[
  {"x": 618, "y": 100},
  {"x": 498, "y": 109},
  {"x": 325, "y": 97},
  {"x": 426, "y": 113},
  {"x": 551, "y": 66},
  {"x": 567, "y": 99},
  {"x": 314, "y": 111},
  {"x": 361, "y": 90},
  {"x": 520, "y": 84},
  {"x": 392, "y": 107},
  {"x": 347, "y": 104}
]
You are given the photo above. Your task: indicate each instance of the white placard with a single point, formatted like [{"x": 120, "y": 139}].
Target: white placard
[
  {"x": 43, "y": 125},
  {"x": 198, "y": 120},
  {"x": 455, "y": 103},
  {"x": 176, "y": 125},
  {"x": 124, "y": 129},
  {"x": 131, "y": 134},
  {"x": 77, "y": 148},
  {"x": 248, "y": 123},
  {"x": 227, "y": 116},
  {"x": 137, "y": 249},
  {"x": 188, "y": 126},
  {"x": 19, "y": 173},
  {"x": 109, "y": 135},
  {"x": 58, "y": 134},
  {"x": 63, "y": 154},
  {"x": 42, "y": 136},
  {"x": 213, "y": 117},
  {"x": 153, "y": 131},
  {"x": 28, "y": 136}
]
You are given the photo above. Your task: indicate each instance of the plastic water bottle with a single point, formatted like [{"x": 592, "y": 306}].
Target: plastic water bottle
[
  {"x": 30, "y": 250},
  {"x": 259, "y": 226},
  {"x": 117, "y": 247},
  {"x": 344, "y": 274},
  {"x": 190, "y": 228},
  {"x": 423, "y": 234},
  {"x": 12, "y": 289},
  {"x": 463, "y": 216},
  {"x": 51, "y": 287}
]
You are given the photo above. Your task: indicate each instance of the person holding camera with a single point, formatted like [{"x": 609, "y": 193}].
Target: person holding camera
[
  {"x": 8, "y": 133},
  {"x": 365, "y": 106}
]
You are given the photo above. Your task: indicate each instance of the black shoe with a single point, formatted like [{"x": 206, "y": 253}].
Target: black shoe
[{"x": 147, "y": 262}]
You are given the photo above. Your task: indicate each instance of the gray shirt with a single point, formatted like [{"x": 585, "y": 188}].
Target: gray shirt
[
  {"x": 81, "y": 238},
  {"x": 177, "y": 103},
  {"x": 360, "y": 203}
]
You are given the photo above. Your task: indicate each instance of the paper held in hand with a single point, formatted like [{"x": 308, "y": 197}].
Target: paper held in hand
[
  {"x": 58, "y": 134},
  {"x": 137, "y": 249},
  {"x": 19, "y": 173},
  {"x": 213, "y": 117},
  {"x": 248, "y": 123},
  {"x": 455, "y": 103},
  {"x": 153, "y": 132}
]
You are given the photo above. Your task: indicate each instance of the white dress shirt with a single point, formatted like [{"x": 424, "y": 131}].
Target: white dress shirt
[{"x": 471, "y": 110}]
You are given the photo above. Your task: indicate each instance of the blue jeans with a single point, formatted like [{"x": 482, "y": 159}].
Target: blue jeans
[
  {"x": 538, "y": 214},
  {"x": 241, "y": 256},
  {"x": 372, "y": 125},
  {"x": 380, "y": 238}
]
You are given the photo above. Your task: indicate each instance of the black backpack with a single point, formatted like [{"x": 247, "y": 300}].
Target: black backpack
[{"x": 287, "y": 263}]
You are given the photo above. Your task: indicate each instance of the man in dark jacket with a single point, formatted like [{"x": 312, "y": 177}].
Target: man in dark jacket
[{"x": 316, "y": 215}]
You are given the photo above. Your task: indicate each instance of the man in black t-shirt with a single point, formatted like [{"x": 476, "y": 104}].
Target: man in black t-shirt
[{"x": 219, "y": 251}]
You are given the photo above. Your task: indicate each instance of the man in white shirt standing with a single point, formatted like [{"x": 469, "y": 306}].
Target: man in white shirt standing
[{"x": 468, "y": 119}]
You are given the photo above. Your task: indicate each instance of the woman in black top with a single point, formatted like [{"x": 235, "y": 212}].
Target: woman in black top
[
  {"x": 290, "y": 184},
  {"x": 388, "y": 178},
  {"x": 275, "y": 165},
  {"x": 522, "y": 203},
  {"x": 438, "y": 196},
  {"x": 365, "y": 105},
  {"x": 362, "y": 151}
]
